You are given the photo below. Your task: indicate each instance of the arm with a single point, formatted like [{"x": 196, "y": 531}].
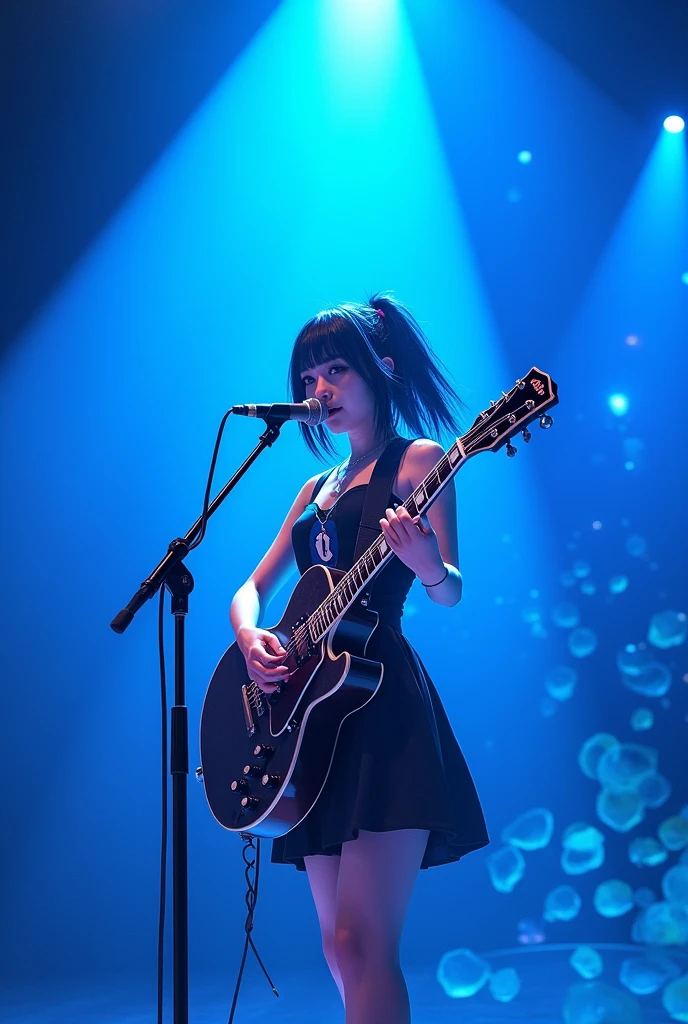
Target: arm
[
  {"x": 428, "y": 545},
  {"x": 262, "y": 650}
]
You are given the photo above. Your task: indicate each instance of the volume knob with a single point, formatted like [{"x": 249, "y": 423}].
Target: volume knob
[
  {"x": 254, "y": 770},
  {"x": 239, "y": 785},
  {"x": 250, "y": 801},
  {"x": 263, "y": 750},
  {"x": 271, "y": 781}
]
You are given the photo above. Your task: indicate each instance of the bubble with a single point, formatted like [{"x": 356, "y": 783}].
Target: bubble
[
  {"x": 636, "y": 546},
  {"x": 581, "y": 569},
  {"x": 562, "y": 904},
  {"x": 613, "y": 898},
  {"x": 646, "y": 851},
  {"x": 531, "y": 831},
  {"x": 621, "y": 811},
  {"x": 646, "y": 974},
  {"x": 642, "y": 719},
  {"x": 625, "y": 766},
  {"x": 674, "y": 832},
  {"x": 675, "y": 884},
  {"x": 652, "y": 680},
  {"x": 582, "y": 641},
  {"x": 675, "y": 998},
  {"x": 667, "y": 629},
  {"x": 561, "y": 681},
  {"x": 618, "y": 584},
  {"x": 587, "y": 961},
  {"x": 531, "y": 614},
  {"x": 581, "y": 836},
  {"x": 565, "y": 614},
  {"x": 633, "y": 660},
  {"x": 506, "y": 868},
  {"x": 655, "y": 790},
  {"x": 661, "y": 924},
  {"x": 538, "y": 631},
  {"x": 594, "y": 1002},
  {"x": 578, "y": 862},
  {"x": 461, "y": 973},
  {"x": 505, "y": 984},
  {"x": 592, "y": 750},
  {"x": 567, "y": 579},
  {"x": 587, "y": 587},
  {"x": 529, "y": 932},
  {"x": 644, "y": 897}
]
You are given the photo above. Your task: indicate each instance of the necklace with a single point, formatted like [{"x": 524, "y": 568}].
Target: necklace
[{"x": 341, "y": 476}]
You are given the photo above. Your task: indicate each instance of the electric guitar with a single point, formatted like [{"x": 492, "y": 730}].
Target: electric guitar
[{"x": 266, "y": 758}]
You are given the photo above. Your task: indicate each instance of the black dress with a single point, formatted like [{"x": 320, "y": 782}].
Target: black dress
[{"x": 418, "y": 780}]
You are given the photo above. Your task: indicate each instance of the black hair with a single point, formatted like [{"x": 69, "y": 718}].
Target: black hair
[{"x": 416, "y": 393}]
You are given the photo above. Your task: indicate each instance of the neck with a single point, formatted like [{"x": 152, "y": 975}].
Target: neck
[{"x": 362, "y": 441}]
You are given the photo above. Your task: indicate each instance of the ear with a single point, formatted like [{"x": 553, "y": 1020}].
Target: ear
[{"x": 389, "y": 362}]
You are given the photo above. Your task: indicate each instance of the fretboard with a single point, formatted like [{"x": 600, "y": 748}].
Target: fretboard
[{"x": 379, "y": 552}]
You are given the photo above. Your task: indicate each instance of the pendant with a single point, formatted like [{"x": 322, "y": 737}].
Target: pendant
[{"x": 323, "y": 543}]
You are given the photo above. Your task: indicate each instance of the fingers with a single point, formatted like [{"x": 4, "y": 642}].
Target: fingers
[{"x": 398, "y": 526}]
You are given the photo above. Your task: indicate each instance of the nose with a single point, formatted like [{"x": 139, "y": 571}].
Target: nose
[{"x": 323, "y": 389}]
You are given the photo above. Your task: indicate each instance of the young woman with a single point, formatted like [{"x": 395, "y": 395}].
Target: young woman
[{"x": 399, "y": 795}]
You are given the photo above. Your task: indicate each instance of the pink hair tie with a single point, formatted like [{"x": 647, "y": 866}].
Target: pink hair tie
[{"x": 380, "y": 312}]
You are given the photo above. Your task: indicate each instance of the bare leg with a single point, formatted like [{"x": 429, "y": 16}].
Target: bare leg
[
  {"x": 323, "y": 872},
  {"x": 376, "y": 879}
]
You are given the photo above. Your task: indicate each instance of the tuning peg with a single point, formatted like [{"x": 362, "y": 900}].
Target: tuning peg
[
  {"x": 526, "y": 435},
  {"x": 546, "y": 421},
  {"x": 510, "y": 450}
]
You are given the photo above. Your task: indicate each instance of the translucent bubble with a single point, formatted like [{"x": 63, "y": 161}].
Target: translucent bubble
[
  {"x": 531, "y": 614},
  {"x": 636, "y": 545},
  {"x": 506, "y": 868},
  {"x": 646, "y": 974},
  {"x": 675, "y": 998},
  {"x": 674, "y": 832},
  {"x": 655, "y": 790},
  {"x": 587, "y": 587},
  {"x": 644, "y": 897},
  {"x": 587, "y": 961},
  {"x": 618, "y": 584},
  {"x": 582, "y": 837},
  {"x": 461, "y": 973},
  {"x": 625, "y": 766},
  {"x": 565, "y": 614},
  {"x": 642, "y": 719},
  {"x": 594, "y": 1002},
  {"x": 675, "y": 884},
  {"x": 582, "y": 641},
  {"x": 538, "y": 631},
  {"x": 581, "y": 569},
  {"x": 653, "y": 680},
  {"x": 613, "y": 898},
  {"x": 592, "y": 750},
  {"x": 531, "y": 831},
  {"x": 505, "y": 984},
  {"x": 529, "y": 932},
  {"x": 668, "y": 629},
  {"x": 561, "y": 681},
  {"x": 562, "y": 904},
  {"x": 646, "y": 851},
  {"x": 567, "y": 579},
  {"x": 632, "y": 660},
  {"x": 577, "y": 862},
  {"x": 661, "y": 924},
  {"x": 621, "y": 811}
]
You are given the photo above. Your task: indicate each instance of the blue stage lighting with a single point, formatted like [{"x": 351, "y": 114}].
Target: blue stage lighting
[
  {"x": 684, "y": 277},
  {"x": 674, "y": 124},
  {"x": 618, "y": 404},
  {"x": 524, "y": 157}
]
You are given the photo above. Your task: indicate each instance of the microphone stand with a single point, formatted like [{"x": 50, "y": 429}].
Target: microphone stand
[{"x": 173, "y": 574}]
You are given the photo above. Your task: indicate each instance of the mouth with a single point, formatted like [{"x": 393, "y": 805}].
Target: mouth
[{"x": 333, "y": 411}]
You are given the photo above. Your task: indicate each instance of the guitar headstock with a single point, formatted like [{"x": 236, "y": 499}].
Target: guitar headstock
[{"x": 511, "y": 414}]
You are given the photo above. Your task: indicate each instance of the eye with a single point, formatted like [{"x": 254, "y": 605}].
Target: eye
[
  {"x": 307, "y": 380},
  {"x": 337, "y": 368}
]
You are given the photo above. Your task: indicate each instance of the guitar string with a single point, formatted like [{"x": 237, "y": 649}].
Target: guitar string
[{"x": 301, "y": 634}]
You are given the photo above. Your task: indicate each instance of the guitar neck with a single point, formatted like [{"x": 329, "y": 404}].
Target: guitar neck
[{"x": 379, "y": 552}]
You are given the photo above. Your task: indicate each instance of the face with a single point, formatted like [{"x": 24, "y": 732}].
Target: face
[{"x": 350, "y": 401}]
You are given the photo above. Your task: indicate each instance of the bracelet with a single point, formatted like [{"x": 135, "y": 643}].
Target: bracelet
[{"x": 446, "y": 573}]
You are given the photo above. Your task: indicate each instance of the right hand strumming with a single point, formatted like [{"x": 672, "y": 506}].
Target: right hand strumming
[{"x": 265, "y": 657}]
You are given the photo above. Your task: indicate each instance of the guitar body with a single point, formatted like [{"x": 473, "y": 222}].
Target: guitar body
[{"x": 274, "y": 751}]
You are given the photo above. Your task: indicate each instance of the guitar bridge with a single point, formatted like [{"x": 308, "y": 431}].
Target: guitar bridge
[{"x": 250, "y": 700}]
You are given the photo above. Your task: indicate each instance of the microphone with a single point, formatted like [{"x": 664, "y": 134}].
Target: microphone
[{"x": 312, "y": 411}]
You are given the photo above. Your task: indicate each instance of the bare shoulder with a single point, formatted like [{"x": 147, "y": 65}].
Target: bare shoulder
[{"x": 420, "y": 457}]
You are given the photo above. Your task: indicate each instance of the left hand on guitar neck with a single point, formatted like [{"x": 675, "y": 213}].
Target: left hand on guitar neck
[{"x": 414, "y": 541}]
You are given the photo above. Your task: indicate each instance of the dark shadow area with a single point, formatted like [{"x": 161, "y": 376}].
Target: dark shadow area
[{"x": 94, "y": 92}]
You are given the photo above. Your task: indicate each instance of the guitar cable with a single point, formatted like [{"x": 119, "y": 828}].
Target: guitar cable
[{"x": 251, "y": 897}]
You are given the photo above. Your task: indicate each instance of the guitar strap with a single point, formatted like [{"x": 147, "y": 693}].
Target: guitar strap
[{"x": 378, "y": 493}]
